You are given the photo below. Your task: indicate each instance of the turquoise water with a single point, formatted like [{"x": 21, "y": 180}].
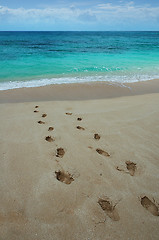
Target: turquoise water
[{"x": 30, "y": 59}]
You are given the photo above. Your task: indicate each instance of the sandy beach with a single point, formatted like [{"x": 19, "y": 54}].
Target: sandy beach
[{"x": 80, "y": 162}]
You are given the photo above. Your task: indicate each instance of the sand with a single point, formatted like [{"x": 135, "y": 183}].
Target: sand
[{"x": 84, "y": 169}]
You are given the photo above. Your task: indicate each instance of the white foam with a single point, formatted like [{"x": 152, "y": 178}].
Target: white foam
[{"x": 116, "y": 79}]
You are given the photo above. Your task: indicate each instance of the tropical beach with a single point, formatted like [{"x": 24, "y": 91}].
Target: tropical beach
[{"x": 79, "y": 132}]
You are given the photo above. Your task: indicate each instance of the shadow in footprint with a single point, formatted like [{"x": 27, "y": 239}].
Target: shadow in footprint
[
  {"x": 36, "y": 106},
  {"x": 68, "y": 113},
  {"x": 64, "y": 177},
  {"x": 50, "y": 129},
  {"x": 49, "y": 139},
  {"x": 131, "y": 167},
  {"x": 80, "y": 128},
  {"x": 60, "y": 152},
  {"x": 121, "y": 170},
  {"x": 44, "y": 115},
  {"x": 96, "y": 136},
  {"x": 150, "y": 206},
  {"x": 79, "y": 119},
  {"x": 36, "y": 111},
  {"x": 102, "y": 152},
  {"x": 110, "y": 210},
  {"x": 41, "y": 122}
]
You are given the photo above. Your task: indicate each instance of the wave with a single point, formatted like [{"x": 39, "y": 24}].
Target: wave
[{"x": 120, "y": 80}]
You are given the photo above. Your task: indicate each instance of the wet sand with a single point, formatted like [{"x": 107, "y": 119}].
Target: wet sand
[{"x": 82, "y": 91}]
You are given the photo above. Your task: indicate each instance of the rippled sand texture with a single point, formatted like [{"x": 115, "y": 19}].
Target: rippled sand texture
[{"x": 80, "y": 169}]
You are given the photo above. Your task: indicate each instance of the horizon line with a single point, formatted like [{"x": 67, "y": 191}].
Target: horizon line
[{"x": 79, "y": 30}]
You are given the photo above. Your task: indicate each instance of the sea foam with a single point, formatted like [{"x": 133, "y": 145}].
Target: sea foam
[{"x": 119, "y": 80}]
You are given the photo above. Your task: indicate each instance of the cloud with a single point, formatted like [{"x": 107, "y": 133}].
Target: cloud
[
  {"x": 108, "y": 16},
  {"x": 128, "y": 12},
  {"x": 87, "y": 17},
  {"x": 38, "y": 14}
]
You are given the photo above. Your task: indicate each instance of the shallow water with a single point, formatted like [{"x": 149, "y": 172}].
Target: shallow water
[{"x": 30, "y": 59}]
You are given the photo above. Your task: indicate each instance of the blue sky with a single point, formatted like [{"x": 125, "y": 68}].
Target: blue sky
[{"x": 62, "y": 15}]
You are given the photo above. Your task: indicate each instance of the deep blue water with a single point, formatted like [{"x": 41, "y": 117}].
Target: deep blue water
[{"x": 40, "y": 58}]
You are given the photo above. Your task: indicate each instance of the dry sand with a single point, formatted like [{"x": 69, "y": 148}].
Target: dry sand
[{"x": 79, "y": 170}]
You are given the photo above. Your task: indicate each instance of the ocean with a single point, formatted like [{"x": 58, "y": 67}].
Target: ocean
[{"x": 30, "y": 59}]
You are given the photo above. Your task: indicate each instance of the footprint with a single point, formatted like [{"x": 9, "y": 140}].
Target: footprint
[
  {"x": 49, "y": 139},
  {"x": 44, "y": 115},
  {"x": 50, "y": 129},
  {"x": 110, "y": 210},
  {"x": 96, "y": 136},
  {"x": 41, "y": 122},
  {"x": 68, "y": 113},
  {"x": 150, "y": 206},
  {"x": 131, "y": 167},
  {"x": 79, "y": 119},
  {"x": 64, "y": 177},
  {"x": 36, "y": 106},
  {"x": 60, "y": 152},
  {"x": 36, "y": 111},
  {"x": 101, "y": 152},
  {"x": 121, "y": 170},
  {"x": 80, "y": 128},
  {"x": 90, "y": 147}
]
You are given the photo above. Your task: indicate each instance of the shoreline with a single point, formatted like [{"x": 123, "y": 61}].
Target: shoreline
[{"x": 78, "y": 91}]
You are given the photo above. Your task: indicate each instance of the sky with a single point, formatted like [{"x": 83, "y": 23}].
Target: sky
[{"x": 79, "y": 15}]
